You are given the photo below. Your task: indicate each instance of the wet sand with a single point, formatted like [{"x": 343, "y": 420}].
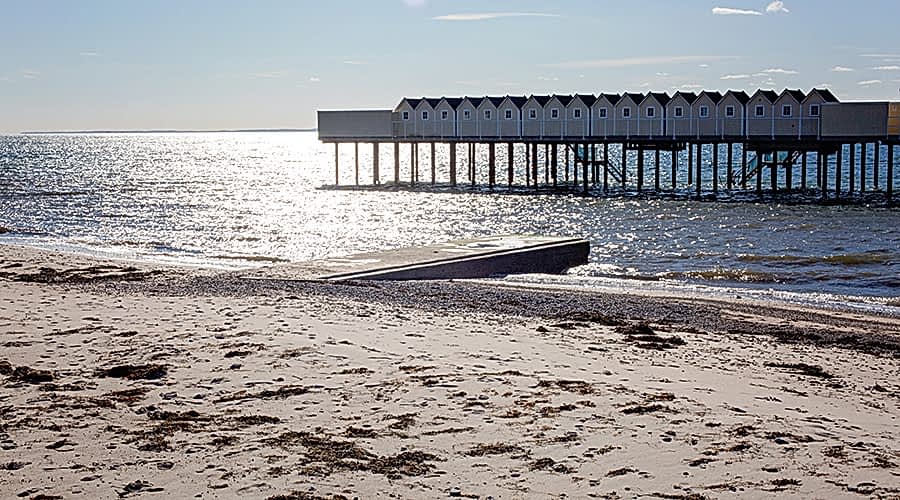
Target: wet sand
[{"x": 118, "y": 380}]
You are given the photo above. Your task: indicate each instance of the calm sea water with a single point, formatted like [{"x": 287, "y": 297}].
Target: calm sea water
[{"x": 239, "y": 199}]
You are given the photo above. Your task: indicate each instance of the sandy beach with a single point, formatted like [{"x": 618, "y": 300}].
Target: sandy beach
[{"x": 122, "y": 380}]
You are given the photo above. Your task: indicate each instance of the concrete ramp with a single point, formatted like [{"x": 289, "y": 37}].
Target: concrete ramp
[{"x": 473, "y": 258}]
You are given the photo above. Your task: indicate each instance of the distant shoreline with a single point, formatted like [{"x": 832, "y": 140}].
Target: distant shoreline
[{"x": 162, "y": 131}]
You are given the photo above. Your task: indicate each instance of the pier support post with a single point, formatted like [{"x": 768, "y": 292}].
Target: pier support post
[
  {"x": 744, "y": 166},
  {"x": 674, "y": 169},
  {"x": 510, "y": 158},
  {"x": 624, "y": 165},
  {"x": 534, "y": 164},
  {"x": 554, "y": 162},
  {"x": 823, "y": 167},
  {"x": 890, "y": 175},
  {"x": 656, "y": 169},
  {"x": 864, "y": 150},
  {"x": 715, "y": 168},
  {"x": 851, "y": 185},
  {"x": 433, "y": 166},
  {"x": 336, "y": 157},
  {"x": 759, "y": 173},
  {"x": 575, "y": 167},
  {"x": 729, "y": 170},
  {"x": 877, "y": 166},
  {"x": 376, "y": 176},
  {"x": 640, "y": 169},
  {"x": 356, "y": 163},
  {"x": 605, "y": 167},
  {"x": 492, "y": 164},
  {"x": 803, "y": 165},
  {"x": 546, "y": 163},
  {"x": 584, "y": 169},
  {"x": 472, "y": 163},
  {"x": 699, "y": 168},
  {"x": 838, "y": 171},
  {"x": 453, "y": 164},
  {"x": 690, "y": 165},
  {"x": 819, "y": 169},
  {"x": 774, "y": 172},
  {"x": 566, "y": 147},
  {"x": 527, "y": 164},
  {"x": 788, "y": 173},
  {"x": 396, "y": 163},
  {"x": 413, "y": 162},
  {"x": 594, "y": 172}
]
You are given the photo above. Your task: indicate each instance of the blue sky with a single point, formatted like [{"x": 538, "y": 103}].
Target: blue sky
[{"x": 112, "y": 64}]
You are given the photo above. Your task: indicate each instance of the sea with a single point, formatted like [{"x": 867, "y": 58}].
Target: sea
[{"x": 243, "y": 199}]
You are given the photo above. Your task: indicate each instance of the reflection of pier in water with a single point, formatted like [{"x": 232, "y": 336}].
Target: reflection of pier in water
[{"x": 706, "y": 143}]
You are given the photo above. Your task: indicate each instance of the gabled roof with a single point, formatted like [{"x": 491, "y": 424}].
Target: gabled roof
[
  {"x": 414, "y": 103},
  {"x": 541, "y": 99},
  {"x": 690, "y": 97},
  {"x": 740, "y": 95},
  {"x": 476, "y": 101},
  {"x": 587, "y": 99},
  {"x": 517, "y": 100},
  {"x": 715, "y": 97},
  {"x": 612, "y": 98},
  {"x": 798, "y": 94},
  {"x": 432, "y": 101},
  {"x": 454, "y": 102},
  {"x": 563, "y": 99},
  {"x": 634, "y": 96},
  {"x": 494, "y": 101},
  {"x": 768, "y": 94},
  {"x": 826, "y": 95},
  {"x": 661, "y": 97}
]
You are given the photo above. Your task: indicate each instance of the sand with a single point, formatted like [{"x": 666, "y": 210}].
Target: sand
[{"x": 121, "y": 380}]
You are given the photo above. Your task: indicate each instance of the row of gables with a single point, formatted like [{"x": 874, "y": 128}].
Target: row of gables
[{"x": 654, "y": 114}]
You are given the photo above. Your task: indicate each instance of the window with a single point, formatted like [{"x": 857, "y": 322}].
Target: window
[
  {"x": 760, "y": 110},
  {"x": 467, "y": 115},
  {"x": 424, "y": 115},
  {"x": 508, "y": 114},
  {"x": 554, "y": 114},
  {"x": 679, "y": 112},
  {"x": 787, "y": 110},
  {"x": 576, "y": 114},
  {"x": 532, "y": 114},
  {"x": 651, "y": 112},
  {"x": 406, "y": 115},
  {"x": 601, "y": 113},
  {"x": 814, "y": 110},
  {"x": 729, "y": 111},
  {"x": 444, "y": 115},
  {"x": 626, "y": 112},
  {"x": 487, "y": 114},
  {"x": 704, "y": 111}
]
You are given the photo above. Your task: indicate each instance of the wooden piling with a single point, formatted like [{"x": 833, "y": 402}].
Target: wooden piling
[
  {"x": 823, "y": 167},
  {"x": 744, "y": 166},
  {"x": 527, "y": 164},
  {"x": 566, "y": 147},
  {"x": 433, "y": 166},
  {"x": 584, "y": 169},
  {"x": 624, "y": 165},
  {"x": 890, "y": 175},
  {"x": 453, "y": 164},
  {"x": 851, "y": 185},
  {"x": 492, "y": 165},
  {"x": 554, "y": 162},
  {"x": 788, "y": 173},
  {"x": 803, "y": 165},
  {"x": 690, "y": 165},
  {"x": 575, "y": 167},
  {"x": 838, "y": 171},
  {"x": 336, "y": 156},
  {"x": 640, "y": 169},
  {"x": 546, "y": 164},
  {"x": 774, "y": 172},
  {"x": 876, "y": 166},
  {"x": 699, "y": 168},
  {"x": 605, "y": 167},
  {"x": 656, "y": 168},
  {"x": 396, "y": 163},
  {"x": 534, "y": 164},
  {"x": 594, "y": 173},
  {"x": 729, "y": 170},
  {"x": 759, "y": 172},
  {"x": 356, "y": 163},
  {"x": 413, "y": 162},
  {"x": 510, "y": 159},
  {"x": 864, "y": 150},
  {"x": 674, "y": 169},
  {"x": 715, "y": 168},
  {"x": 376, "y": 177}
]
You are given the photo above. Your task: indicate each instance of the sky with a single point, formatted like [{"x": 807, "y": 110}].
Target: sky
[{"x": 219, "y": 64}]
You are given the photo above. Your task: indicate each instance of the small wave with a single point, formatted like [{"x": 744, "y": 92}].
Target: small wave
[
  {"x": 249, "y": 258},
  {"x": 722, "y": 274},
  {"x": 849, "y": 259}
]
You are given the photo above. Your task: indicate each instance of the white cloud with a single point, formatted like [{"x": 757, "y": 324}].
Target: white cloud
[
  {"x": 780, "y": 71},
  {"x": 842, "y": 69},
  {"x": 30, "y": 74},
  {"x": 879, "y": 55},
  {"x": 352, "y": 62},
  {"x": 691, "y": 86},
  {"x": 704, "y": 65},
  {"x": 866, "y": 83},
  {"x": 893, "y": 67},
  {"x": 728, "y": 11},
  {"x": 823, "y": 86},
  {"x": 5, "y": 79},
  {"x": 315, "y": 79},
  {"x": 415, "y": 3},
  {"x": 661, "y": 74},
  {"x": 482, "y": 16},
  {"x": 89, "y": 54},
  {"x": 776, "y": 6},
  {"x": 645, "y": 85},
  {"x": 734, "y": 77},
  {"x": 634, "y": 61}
]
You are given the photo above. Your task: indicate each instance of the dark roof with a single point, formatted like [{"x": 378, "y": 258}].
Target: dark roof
[
  {"x": 769, "y": 94},
  {"x": 826, "y": 94},
  {"x": 612, "y": 98},
  {"x": 714, "y": 96},
  {"x": 796, "y": 94},
  {"x": 476, "y": 101},
  {"x": 740, "y": 95},
  {"x": 413, "y": 102},
  {"x": 587, "y": 99},
  {"x": 518, "y": 100},
  {"x": 690, "y": 97},
  {"x": 634, "y": 96},
  {"x": 564, "y": 99},
  {"x": 454, "y": 102},
  {"x": 432, "y": 101},
  {"x": 494, "y": 100},
  {"x": 541, "y": 99},
  {"x": 662, "y": 97}
]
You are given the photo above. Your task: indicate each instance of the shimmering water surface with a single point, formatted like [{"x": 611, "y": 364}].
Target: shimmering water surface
[{"x": 237, "y": 199}]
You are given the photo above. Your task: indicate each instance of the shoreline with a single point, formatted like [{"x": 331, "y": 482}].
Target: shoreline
[{"x": 123, "y": 379}]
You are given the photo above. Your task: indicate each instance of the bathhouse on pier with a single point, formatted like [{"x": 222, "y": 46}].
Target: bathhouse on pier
[{"x": 609, "y": 134}]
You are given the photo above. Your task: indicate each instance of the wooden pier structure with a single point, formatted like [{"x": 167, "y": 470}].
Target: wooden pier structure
[{"x": 706, "y": 144}]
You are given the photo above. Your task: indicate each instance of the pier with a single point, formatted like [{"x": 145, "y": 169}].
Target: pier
[{"x": 708, "y": 145}]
